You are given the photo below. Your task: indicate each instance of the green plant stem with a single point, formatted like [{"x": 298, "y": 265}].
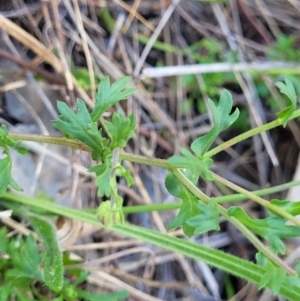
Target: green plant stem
[
  {"x": 257, "y": 199},
  {"x": 80, "y": 146},
  {"x": 146, "y": 160},
  {"x": 51, "y": 140},
  {"x": 220, "y": 200},
  {"x": 260, "y": 192},
  {"x": 248, "y": 134},
  {"x": 150, "y": 208}
]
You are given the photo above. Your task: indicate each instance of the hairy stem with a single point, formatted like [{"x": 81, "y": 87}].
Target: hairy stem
[
  {"x": 248, "y": 134},
  {"x": 220, "y": 199},
  {"x": 75, "y": 144},
  {"x": 257, "y": 199}
]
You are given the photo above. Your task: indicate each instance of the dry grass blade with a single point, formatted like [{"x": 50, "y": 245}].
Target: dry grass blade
[{"x": 42, "y": 51}]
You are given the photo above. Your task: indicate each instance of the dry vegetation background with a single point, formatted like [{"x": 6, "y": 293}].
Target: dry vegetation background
[{"x": 60, "y": 49}]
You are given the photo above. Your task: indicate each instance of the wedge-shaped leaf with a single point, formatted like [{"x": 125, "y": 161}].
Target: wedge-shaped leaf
[
  {"x": 103, "y": 176},
  {"x": 6, "y": 141},
  {"x": 5, "y": 175},
  {"x": 120, "y": 130},
  {"x": 53, "y": 263},
  {"x": 271, "y": 228},
  {"x": 189, "y": 161},
  {"x": 274, "y": 276},
  {"x": 189, "y": 202},
  {"x": 207, "y": 220},
  {"x": 222, "y": 120},
  {"x": 288, "y": 90},
  {"x": 108, "y": 95},
  {"x": 80, "y": 126}
]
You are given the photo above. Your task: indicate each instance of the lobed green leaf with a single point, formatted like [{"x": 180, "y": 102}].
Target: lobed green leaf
[
  {"x": 274, "y": 276},
  {"x": 271, "y": 228},
  {"x": 207, "y": 220},
  {"x": 292, "y": 208},
  {"x": 222, "y": 120},
  {"x": 108, "y": 96},
  {"x": 189, "y": 161},
  {"x": 80, "y": 127},
  {"x": 120, "y": 130},
  {"x": 5, "y": 161},
  {"x": 188, "y": 208},
  {"x": 25, "y": 259},
  {"x": 103, "y": 176},
  {"x": 5, "y": 175},
  {"x": 6, "y": 141},
  {"x": 288, "y": 90}
]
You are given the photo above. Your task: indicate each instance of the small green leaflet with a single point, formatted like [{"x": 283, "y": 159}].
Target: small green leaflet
[
  {"x": 222, "y": 120},
  {"x": 6, "y": 141},
  {"x": 194, "y": 216},
  {"x": 108, "y": 95},
  {"x": 103, "y": 176},
  {"x": 274, "y": 276},
  {"x": 80, "y": 126},
  {"x": 25, "y": 259},
  {"x": 187, "y": 210},
  {"x": 292, "y": 208},
  {"x": 288, "y": 90},
  {"x": 189, "y": 161},
  {"x": 206, "y": 220},
  {"x": 189, "y": 201},
  {"x": 294, "y": 281},
  {"x": 271, "y": 228},
  {"x": 5, "y": 176},
  {"x": 106, "y": 176},
  {"x": 120, "y": 130},
  {"x": 5, "y": 161}
]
